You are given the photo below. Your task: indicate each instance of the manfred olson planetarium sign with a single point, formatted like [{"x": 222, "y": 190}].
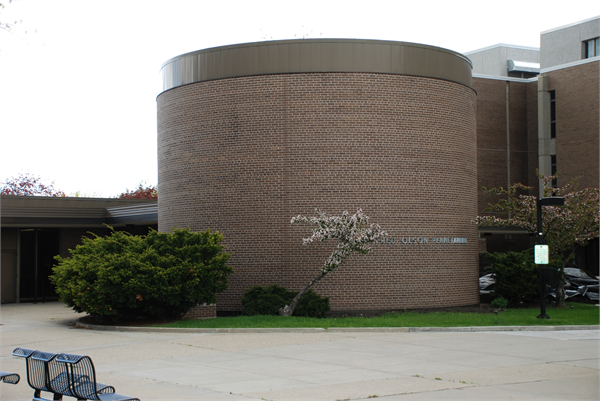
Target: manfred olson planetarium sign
[{"x": 423, "y": 240}]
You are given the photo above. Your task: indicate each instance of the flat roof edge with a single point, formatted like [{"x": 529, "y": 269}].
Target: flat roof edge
[
  {"x": 305, "y": 56},
  {"x": 570, "y": 25}
]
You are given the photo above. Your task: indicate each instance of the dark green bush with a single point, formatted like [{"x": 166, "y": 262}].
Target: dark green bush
[
  {"x": 500, "y": 303},
  {"x": 516, "y": 275},
  {"x": 157, "y": 275},
  {"x": 265, "y": 300},
  {"x": 268, "y": 300},
  {"x": 312, "y": 305}
]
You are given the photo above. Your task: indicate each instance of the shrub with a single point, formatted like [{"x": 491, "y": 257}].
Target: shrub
[
  {"x": 500, "y": 303},
  {"x": 311, "y": 305},
  {"x": 268, "y": 300},
  {"x": 157, "y": 275},
  {"x": 516, "y": 275},
  {"x": 265, "y": 300}
]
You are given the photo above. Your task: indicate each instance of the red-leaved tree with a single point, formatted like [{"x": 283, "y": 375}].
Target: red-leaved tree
[
  {"x": 26, "y": 184},
  {"x": 142, "y": 192}
]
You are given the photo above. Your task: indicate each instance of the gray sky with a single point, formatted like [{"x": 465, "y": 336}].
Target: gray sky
[{"x": 79, "y": 78}]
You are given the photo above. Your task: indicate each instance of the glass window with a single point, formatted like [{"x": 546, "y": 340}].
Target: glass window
[
  {"x": 553, "y": 169},
  {"x": 552, "y": 114},
  {"x": 591, "y": 48}
]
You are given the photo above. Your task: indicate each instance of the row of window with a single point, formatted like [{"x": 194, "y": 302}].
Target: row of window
[
  {"x": 552, "y": 114},
  {"x": 553, "y": 133}
]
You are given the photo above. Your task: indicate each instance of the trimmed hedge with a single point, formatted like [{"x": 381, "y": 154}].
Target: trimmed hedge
[{"x": 158, "y": 275}]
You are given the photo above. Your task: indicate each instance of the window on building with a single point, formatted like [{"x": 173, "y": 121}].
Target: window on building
[
  {"x": 552, "y": 114},
  {"x": 553, "y": 169},
  {"x": 591, "y": 48}
]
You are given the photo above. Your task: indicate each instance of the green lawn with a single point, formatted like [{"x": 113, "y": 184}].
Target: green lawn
[{"x": 580, "y": 314}]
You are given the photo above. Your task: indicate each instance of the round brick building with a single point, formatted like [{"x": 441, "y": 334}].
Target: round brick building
[{"x": 251, "y": 135}]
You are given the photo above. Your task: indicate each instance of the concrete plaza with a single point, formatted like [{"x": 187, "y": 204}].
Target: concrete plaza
[{"x": 312, "y": 364}]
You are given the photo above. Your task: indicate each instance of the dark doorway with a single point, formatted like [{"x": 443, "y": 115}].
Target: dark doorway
[
  {"x": 38, "y": 248},
  {"x": 587, "y": 257}
]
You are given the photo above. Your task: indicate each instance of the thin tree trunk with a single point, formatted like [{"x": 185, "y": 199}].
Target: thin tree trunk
[
  {"x": 560, "y": 288},
  {"x": 288, "y": 310}
]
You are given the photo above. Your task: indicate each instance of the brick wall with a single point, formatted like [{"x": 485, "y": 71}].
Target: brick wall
[
  {"x": 203, "y": 311},
  {"x": 244, "y": 155},
  {"x": 577, "y": 123},
  {"x": 492, "y": 140}
]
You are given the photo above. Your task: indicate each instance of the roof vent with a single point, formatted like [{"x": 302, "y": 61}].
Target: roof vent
[{"x": 523, "y": 66}]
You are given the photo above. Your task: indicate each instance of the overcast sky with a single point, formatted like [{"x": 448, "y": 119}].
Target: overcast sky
[{"x": 79, "y": 78}]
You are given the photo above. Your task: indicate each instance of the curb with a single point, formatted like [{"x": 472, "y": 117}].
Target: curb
[{"x": 472, "y": 329}]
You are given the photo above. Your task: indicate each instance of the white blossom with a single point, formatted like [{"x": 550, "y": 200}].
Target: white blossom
[{"x": 354, "y": 234}]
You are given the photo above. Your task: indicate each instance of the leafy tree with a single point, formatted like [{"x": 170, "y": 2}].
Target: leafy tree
[
  {"x": 142, "y": 192},
  {"x": 29, "y": 185},
  {"x": 3, "y": 22},
  {"x": 354, "y": 234},
  {"x": 157, "y": 275},
  {"x": 564, "y": 227}
]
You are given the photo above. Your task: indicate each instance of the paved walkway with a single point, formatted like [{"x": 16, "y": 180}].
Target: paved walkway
[{"x": 529, "y": 365}]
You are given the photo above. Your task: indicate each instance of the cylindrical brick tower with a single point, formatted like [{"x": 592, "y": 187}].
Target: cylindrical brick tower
[{"x": 251, "y": 135}]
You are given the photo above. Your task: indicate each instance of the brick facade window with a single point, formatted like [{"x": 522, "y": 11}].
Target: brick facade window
[
  {"x": 553, "y": 169},
  {"x": 552, "y": 114},
  {"x": 591, "y": 48}
]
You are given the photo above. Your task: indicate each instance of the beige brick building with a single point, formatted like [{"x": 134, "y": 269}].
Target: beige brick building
[
  {"x": 253, "y": 134},
  {"x": 538, "y": 108},
  {"x": 250, "y": 135}
]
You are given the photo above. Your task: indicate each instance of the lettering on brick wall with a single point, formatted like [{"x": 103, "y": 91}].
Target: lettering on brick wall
[{"x": 423, "y": 240}]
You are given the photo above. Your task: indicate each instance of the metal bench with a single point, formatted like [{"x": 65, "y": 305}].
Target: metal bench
[
  {"x": 11, "y": 378},
  {"x": 65, "y": 375}
]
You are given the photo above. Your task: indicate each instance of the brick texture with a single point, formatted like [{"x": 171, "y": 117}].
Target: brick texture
[
  {"x": 493, "y": 147},
  {"x": 577, "y": 118},
  {"x": 244, "y": 155},
  {"x": 203, "y": 311}
]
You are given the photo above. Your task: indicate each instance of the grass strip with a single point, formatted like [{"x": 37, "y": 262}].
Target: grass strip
[{"x": 579, "y": 314}]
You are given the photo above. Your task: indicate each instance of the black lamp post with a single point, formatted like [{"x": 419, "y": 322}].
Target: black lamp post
[{"x": 551, "y": 201}]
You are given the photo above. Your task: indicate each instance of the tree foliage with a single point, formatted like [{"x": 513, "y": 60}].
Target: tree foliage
[
  {"x": 564, "y": 227},
  {"x": 26, "y": 184},
  {"x": 142, "y": 192},
  {"x": 157, "y": 275},
  {"x": 4, "y": 24},
  {"x": 353, "y": 233}
]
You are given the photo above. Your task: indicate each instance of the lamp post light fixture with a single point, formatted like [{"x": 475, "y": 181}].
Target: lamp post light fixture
[{"x": 540, "y": 259}]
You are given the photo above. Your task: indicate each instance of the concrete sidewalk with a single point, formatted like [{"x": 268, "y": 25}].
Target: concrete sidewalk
[{"x": 321, "y": 365}]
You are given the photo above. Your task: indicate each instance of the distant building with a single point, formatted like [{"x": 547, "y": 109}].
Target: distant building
[
  {"x": 37, "y": 228},
  {"x": 538, "y": 108}
]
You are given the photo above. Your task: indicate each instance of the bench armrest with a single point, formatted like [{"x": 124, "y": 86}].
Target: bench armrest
[{"x": 11, "y": 378}]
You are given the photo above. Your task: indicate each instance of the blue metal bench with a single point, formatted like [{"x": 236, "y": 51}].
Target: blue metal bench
[
  {"x": 11, "y": 378},
  {"x": 64, "y": 374}
]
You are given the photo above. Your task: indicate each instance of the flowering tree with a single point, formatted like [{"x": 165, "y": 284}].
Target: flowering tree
[
  {"x": 564, "y": 227},
  {"x": 143, "y": 192},
  {"x": 354, "y": 234},
  {"x": 29, "y": 185}
]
